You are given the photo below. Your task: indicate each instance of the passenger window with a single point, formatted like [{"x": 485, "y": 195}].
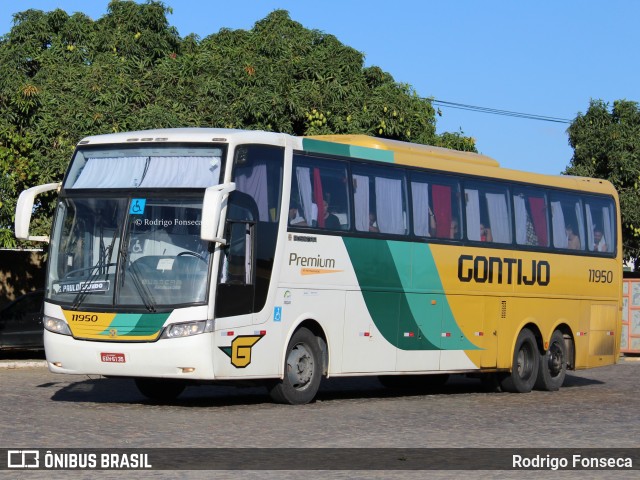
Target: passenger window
[
  {"x": 319, "y": 195},
  {"x": 436, "y": 206},
  {"x": 258, "y": 173},
  {"x": 530, "y": 212},
  {"x": 379, "y": 200},
  {"x": 488, "y": 215},
  {"x": 600, "y": 225},
  {"x": 567, "y": 221}
]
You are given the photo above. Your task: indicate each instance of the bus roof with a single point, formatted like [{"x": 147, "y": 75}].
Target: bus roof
[
  {"x": 194, "y": 134},
  {"x": 406, "y": 150}
]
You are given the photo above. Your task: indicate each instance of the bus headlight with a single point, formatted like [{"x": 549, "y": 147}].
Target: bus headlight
[
  {"x": 179, "y": 330},
  {"x": 56, "y": 325}
]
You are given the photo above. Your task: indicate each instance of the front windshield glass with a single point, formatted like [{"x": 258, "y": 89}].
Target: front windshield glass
[{"x": 160, "y": 262}]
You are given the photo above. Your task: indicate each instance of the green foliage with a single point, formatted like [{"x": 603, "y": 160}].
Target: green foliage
[
  {"x": 606, "y": 143},
  {"x": 64, "y": 77}
]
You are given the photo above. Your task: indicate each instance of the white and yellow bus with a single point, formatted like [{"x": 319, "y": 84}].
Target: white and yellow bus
[{"x": 184, "y": 256}]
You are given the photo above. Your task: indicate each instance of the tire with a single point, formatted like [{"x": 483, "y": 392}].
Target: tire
[
  {"x": 553, "y": 364},
  {"x": 414, "y": 382},
  {"x": 302, "y": 370},
  {"x": 161, "y": 390},
  {"x": 524, "y": 367}
]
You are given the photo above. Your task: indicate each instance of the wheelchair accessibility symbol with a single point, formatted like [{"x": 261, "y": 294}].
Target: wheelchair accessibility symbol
[{"x": 137, "y": 206}]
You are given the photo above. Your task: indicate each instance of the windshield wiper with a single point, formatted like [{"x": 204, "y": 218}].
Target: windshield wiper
[
  {"x": 143, "y": 291},
  {"x": 102, "y": 266}
]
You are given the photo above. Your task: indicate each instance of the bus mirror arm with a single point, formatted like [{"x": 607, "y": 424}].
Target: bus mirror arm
[
  {"x": 24, "y": 210},
  {"x": 212, "y": 205}
]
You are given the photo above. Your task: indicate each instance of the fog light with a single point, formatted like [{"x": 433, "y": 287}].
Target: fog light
[{"x": 187, "y": 369}]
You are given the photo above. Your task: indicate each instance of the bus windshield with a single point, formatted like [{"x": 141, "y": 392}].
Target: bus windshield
[
  {"x": 161, "y": 261},
  {"x": 127, "y": 229}
]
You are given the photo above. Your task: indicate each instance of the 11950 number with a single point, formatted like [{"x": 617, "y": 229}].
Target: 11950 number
[
  {"x": 84, "y": 317},
  {"x": 600, "y": 276}
]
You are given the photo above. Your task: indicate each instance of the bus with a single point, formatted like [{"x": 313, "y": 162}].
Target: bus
[{"x": 186, "y": 256}]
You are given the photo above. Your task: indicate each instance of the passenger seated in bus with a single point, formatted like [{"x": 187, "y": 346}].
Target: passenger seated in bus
[
  {"x": 294, "y": 216},
  {"x": 599, "y": 245},
  {"x": 485, "y": 234},
  {"x": 573, "y": 241},
  {"x": 455, "y": 228},
  {"x": 330, "y": 220},
  {"x": 373, "y": 222}
]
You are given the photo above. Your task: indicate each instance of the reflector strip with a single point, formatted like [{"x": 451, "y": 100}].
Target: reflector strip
[
  {"x": 446, "y": 334},
  {"x": 479, "y": 334},
  {"x": 365, "y": 334},
  {"x": 409, "y": 334}
]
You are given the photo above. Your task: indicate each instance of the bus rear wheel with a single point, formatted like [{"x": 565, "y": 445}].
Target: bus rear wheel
[
  {"x": 525, "y": 364},
  {"x": 302, "y": 370},
  {"x": 161, "y": 390},
  {"x": 553, "y": 364}
]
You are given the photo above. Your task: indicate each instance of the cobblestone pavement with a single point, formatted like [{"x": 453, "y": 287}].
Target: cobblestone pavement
[{"x": 596, "y": 408}]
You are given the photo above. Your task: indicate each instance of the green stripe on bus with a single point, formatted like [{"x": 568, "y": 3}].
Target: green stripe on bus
[
  {"x": 398, "y": 281},
  {"x": 137, "y": 324},
  {"x": 331, "y": 148}
]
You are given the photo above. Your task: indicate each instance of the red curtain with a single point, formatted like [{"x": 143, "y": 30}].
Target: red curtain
[
  {"x": 318, "y": 197},
  {"x": 539, "y": 219},
  {"x": 442, "y": 210}
]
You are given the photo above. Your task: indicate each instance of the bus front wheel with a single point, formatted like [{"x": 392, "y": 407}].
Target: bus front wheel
[
  {"x": 302, "y": 370},
  {"x": 524, "y": 368},
  {"x": 553, "y": 364}
]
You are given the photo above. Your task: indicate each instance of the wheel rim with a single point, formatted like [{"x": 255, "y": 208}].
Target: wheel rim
[
  {"x": 300, "y": 366},
  {"x": 555, "y": 359},
  {"x": 525, "y": 361}
]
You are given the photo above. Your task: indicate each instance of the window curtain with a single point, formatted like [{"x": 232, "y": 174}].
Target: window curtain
[
  {"x": 498, "y": 217},
  {"x": 389, "y": 205},
  {"x": 539, "y": 217},
  {"x": 473, "y": 214},
  {"x": 112, "y": 172},
  {"x": 420, "y": 201},
  {"x": 318, "y": 198},
  {"x": 253, "y": 182},
  {"x": 361, "y": 202},
  {"x": 303, "y": 174},
  {"x": 590, "y": 227},
  {"x": 443, "y": 211},
  {"x": 521, "y": 219},
  {"x": 607, "y": 228},
  {"x": 558, "y": 226},
  {"x": 149, "y": 172},
  {"x": 182, "y": 172}
]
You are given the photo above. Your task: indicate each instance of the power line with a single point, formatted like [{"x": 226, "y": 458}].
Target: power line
[{"x": 495, "y": 111}]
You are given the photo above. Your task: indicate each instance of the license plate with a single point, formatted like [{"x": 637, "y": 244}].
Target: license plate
[{"x": 112, "y": 357}]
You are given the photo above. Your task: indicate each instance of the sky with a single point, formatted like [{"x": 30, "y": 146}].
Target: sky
[{"x": 545, "y": 57}]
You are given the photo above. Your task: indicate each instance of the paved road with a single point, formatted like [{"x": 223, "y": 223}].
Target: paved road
[{"x": 595, "y": 408}]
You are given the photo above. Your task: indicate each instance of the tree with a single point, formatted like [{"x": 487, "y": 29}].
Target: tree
[
  {"x": 606, "y": 144},
  {"x": 64, "y": 77}
]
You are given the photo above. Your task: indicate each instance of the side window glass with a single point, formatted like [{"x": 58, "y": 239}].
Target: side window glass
[
  {"x": 488, "y": 215},
  {"x": 379, "y": 200},
  {"x": 530, "y": 212},
  {"x": 319, "y": 195},
  {"x": 567, "y": 222},
  {"x": 436, "y": 206},
  {"x": 258, "y": 173},
  {"x": 600, "y": 225}
]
